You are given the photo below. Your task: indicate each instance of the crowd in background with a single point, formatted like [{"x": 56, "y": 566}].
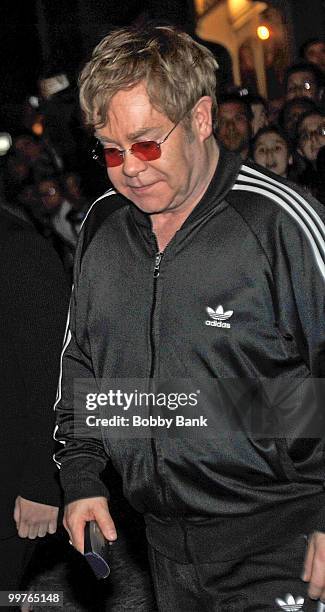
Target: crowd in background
[
  {"x": 49, "y": 176},
  {"x": 286, "y": 138}
]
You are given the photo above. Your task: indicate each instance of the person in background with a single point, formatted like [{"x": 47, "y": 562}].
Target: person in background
[
  {"x": 259, "y": 108},
  {"x": 290, "y": 113},
  {"x": 320, "y": 180},
  {"x": 56, "y": 207},
  {"x": 313, "y": 51},
  {"x": 310, "y": 138},
  {"x": 34, "y": 299},
  {"x": 304, "y": 80},
  {"x": 271, "y": 149},
  {"x": 234, "y": 124}
]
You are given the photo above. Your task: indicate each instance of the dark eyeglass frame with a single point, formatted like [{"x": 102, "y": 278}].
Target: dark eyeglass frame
[{"x": 98, "y": 152}]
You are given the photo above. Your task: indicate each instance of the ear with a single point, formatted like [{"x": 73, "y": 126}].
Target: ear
[{"x": 202, "y": 117}]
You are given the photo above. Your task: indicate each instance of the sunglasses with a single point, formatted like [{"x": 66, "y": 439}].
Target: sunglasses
[{"x": 147, "y": 150}]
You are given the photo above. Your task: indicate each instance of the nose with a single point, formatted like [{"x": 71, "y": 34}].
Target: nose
[
  {"x": 230, "y": 127},
  {"x": 132, "y": 165},
  {"x": 269, "y": 157}
]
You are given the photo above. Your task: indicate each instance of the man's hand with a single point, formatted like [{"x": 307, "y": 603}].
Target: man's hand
[
  {"x": 79, "y": 512},
  {"x": 314, "y": 571},
  {"x": 33, "y": 519}
]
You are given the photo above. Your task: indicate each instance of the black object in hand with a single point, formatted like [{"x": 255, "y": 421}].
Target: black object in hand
[{"x": 96, "y": 550}]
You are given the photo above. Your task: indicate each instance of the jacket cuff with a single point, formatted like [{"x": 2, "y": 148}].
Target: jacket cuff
[
  {"x": 80, "y": 479},
  {"x": 41, "y": 485}
]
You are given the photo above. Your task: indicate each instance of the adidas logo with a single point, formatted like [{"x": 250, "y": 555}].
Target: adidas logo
[
  {"x": 290, "y": 604},
  {"x": 219, "y": 317}
]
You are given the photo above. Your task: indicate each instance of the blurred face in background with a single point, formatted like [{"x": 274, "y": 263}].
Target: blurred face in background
[
  {"x": 292, "y": 116},
  {"x": 271, "y": 151},
  {"x": 234, "y": 130},
  {"x": 302, "y": 84},
  {"x": 315, "y": 54},
  {"x": 28, "y": 147},
  {"x": 311, "y": 136}
]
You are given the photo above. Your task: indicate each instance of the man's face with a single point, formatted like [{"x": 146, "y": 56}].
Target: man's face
[
  {"x": 311, "y": 136},
  {"x": 271, "y": 152},
  {"x": 302, "y": 84},
  {"x": 315, "y": 54},
  {"x": 161, "y": 185},
  {"x": 234, "y": 127}
]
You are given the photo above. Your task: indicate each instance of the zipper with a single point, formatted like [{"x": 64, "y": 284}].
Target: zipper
[
  {"x": 156, "y": 272},
  {"x": 158, "y": 259},
  {"x": 156, "y": 455}
]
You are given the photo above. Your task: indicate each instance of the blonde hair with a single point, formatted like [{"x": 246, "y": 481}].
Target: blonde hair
[{"x": 177, "y": 71}]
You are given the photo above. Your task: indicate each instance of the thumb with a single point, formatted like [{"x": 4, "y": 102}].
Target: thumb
[
  {"x": 106, "y": 523},
  {"x": 309, "y": 561},
  {"x": 17, "y": 512}
]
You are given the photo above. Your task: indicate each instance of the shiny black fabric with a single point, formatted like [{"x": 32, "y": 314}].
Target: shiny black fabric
[{"x": 239, "y": 250}]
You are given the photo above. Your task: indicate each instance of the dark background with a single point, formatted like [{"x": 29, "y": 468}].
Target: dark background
[{"x": 40, "y": 37}]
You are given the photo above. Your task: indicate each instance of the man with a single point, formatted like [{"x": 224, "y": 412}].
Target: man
[
  {"x": 207, "y": 273},
  {"x": 304, "y": 80},
  {"x": 313, "y": 51},
  {"x": 234, "y": 124},
  {"x": 33, "y": 304}
]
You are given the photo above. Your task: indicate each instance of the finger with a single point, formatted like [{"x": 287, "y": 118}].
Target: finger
[
  {"x": 42, "y": 531},
  {"x": 52, "y": 527},
  {"x": 317, "y": 579},
  {"x": 106, "y": 524},
  {"x": 23, "y": 530},
  {"x": 33, "y": 532},
  {"x": 17, "y": 512},
  {"x": 309, "y": 560}
]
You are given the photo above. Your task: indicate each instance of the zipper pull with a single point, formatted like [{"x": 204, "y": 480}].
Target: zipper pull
[{"x": 157, "y": 264}]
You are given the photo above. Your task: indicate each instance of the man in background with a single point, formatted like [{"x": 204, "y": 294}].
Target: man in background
[
  {"x": 313, "y": 51},
  {"x": 33, "y": 303},
  {"x": 234, "y": 124}
]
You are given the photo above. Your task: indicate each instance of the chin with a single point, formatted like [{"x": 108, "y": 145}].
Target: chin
[
  {"x": 149, "y": 203},
  {"x": 150, "y": 207}
]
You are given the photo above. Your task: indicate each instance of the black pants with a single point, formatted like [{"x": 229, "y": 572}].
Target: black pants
[{"x": 260, "y": 582}]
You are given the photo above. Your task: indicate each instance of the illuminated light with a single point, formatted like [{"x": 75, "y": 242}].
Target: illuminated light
[
  {"x": 263, "y": 32},
  {"x": 37, "y": 128},
  {"x": 5, "y": 143}
]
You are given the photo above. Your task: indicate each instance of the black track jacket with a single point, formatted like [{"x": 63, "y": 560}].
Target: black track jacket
[{"x": 255, "y": 245}]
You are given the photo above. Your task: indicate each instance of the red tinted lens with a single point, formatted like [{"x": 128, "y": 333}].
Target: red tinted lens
[
  {"x": 113, "y": 157},
  {"x": 146, "y": 151}
]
